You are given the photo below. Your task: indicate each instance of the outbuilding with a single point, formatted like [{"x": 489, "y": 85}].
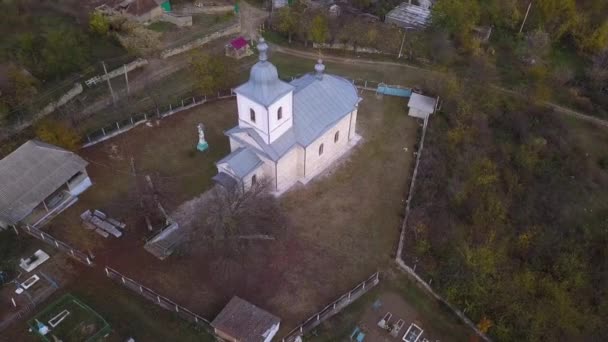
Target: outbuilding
[
  {"x": 241, "y": 321},
  {"x": 421, "y": 106},
  {"x": 38, "y": 181}
]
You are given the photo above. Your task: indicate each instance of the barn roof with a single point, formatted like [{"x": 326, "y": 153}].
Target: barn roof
[
  {"x": 30, "y": 174},
  {"x": 245, "y": 321}
]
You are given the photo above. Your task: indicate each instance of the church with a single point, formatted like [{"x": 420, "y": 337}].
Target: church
[{"x": 288, "y": 132}]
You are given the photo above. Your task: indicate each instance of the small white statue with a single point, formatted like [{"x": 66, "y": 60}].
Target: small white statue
[{"x": 202, "y": 143}]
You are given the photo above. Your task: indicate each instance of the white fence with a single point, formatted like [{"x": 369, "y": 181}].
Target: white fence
[
  {"x": 62, "y": 246},
  {"x": 158, "y": 299},
  {"x": 135, "y": 120},
  {"x": 333, "y": 308}
]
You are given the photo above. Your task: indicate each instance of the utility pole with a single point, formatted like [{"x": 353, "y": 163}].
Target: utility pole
[
  {"x": 109, "y": 83},
  {"x": 526, "y": 17},
  {"x": 126, "y": 77},
  {"x": 402, "y": 42}
]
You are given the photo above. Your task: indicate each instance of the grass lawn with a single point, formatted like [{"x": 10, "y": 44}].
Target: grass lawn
[
  {"x": 166, "y": 152},
  {"x": 344, "y": 225},
  {"x": 128, "y": 314}
]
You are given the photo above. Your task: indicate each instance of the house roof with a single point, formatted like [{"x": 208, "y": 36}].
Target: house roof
[
  {"x": 245, "y": 321},
  {"x": 139, "y": 7},
  {"x": 409, "y": 16},
  {"x": 319, "y": 101},
  {"x": 30, "y": 174},
  {"x": 423, "y": 103},
  {"x": 264, "y": 85},
  {"x": 238, "y": 43},
  {"x": 241, "y": 161}
]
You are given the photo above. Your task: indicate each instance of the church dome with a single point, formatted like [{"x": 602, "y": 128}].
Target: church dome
[
  {"x": 263, "y": 72},
  {"x": 264, "y": 85}
]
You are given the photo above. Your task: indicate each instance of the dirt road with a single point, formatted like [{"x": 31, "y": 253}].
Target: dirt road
[{"x": 342, "y": 60}]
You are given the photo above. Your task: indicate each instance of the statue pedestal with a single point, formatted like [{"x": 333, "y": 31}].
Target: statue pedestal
[{"x": 202, "y": 146}]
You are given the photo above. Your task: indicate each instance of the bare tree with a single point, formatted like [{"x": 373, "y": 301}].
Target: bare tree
[{"x": 234, "y": 216}]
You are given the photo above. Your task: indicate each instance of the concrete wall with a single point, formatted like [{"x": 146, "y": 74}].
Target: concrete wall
[
  {"x": 347, "y": 47},
  {"x": 234, "y": 29},
  {"x": 138, "y": 63},
  {"x": 72, "y": 93},
  {"x": 316, "y": 163},
  {"x": 178, "y": 20}
]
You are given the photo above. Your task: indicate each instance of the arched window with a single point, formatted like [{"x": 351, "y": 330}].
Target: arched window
[
  {"x": 252, "y": 114},
  {"x": 337, "y": 136},
  {"x": 280, "y": 113},
  {"x": 321, "y": 149},
  {"x": 254, "y": 179}
]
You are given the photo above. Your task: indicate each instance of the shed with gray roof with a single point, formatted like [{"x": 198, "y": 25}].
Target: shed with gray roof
[
  {"x": 36, "y": 174},
  {"x": 244, "y": 322}
]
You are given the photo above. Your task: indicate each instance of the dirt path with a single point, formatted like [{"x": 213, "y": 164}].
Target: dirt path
[
  {"x": 343, "y": 60},
  {"x": 251, "y": 19}
]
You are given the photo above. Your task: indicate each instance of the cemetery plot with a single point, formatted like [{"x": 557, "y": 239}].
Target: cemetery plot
[{"x": 68, "y": 319}]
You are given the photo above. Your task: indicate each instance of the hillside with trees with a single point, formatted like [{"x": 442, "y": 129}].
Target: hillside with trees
[{"x": 509, "y": 217}]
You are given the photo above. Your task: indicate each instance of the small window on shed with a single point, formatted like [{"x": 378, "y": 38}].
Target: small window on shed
[
  {"x": 252, "y": 114},
  {"x": 254, "y": 179},
  {"x": 321, "y": 149},
  {"x": 337, "y": 136},
  {"x": 280, "y": 113}
]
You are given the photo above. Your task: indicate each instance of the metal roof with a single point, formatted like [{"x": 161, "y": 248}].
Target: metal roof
[
  {"x": 244, "y": 321},
  {"x": 30, "y": 174},
  {"x": 264, "y": 85},
  {"x": 241, "y": 161},
  {"x": 319, "y": 101},
  {"x": 409, "y": 16},
  {"x": 423, "y": 103},
  {"x": 273, "y": 151}
]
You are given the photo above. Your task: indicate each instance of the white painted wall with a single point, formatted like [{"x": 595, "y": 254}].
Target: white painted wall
[
  {"x": 266, "y": 120},
  {"x": 261, "y": 116},
  {"x": 316, "y": 163},
  {"x": 353, "y": 124},
  {"x": 278, "y": 127},
  {"x": 290, "y": 168}
]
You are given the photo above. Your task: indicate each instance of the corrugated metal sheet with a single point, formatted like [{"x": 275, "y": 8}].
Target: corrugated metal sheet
[
  {"x": 30, "y": 174},
  {"x": 242, "y": 161},
  {"x": 409, "y": 16}
]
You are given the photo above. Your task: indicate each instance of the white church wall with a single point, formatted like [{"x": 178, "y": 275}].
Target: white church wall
[
  {"x": 234, "y": 144},
  {"x": 290, "y": 168},
  {"x": 316, "y": 163},
  {"x": 353, "y": 125},
  {"x": 261, "y": 116},
  {"x": 278, "y": 127}
]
